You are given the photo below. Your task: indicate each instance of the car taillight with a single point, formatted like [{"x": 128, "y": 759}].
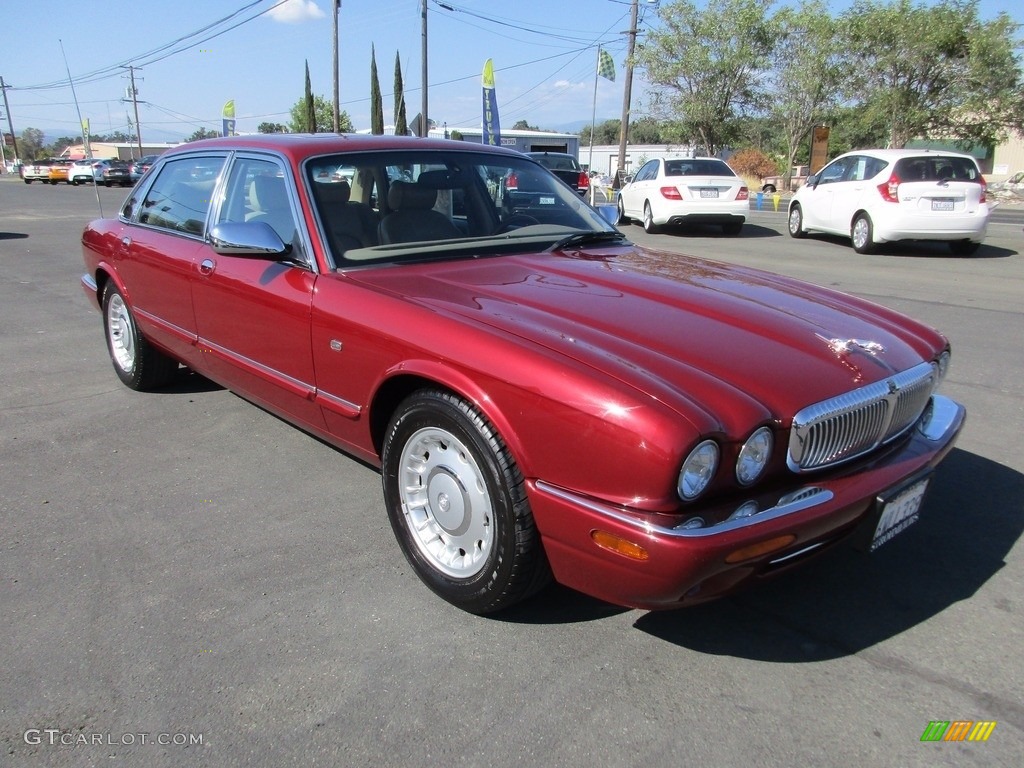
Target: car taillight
[
  {"x": 743, "y": 194},
  {"x": 890, "y": 188},
  {"x": 512, "y": 182},
  {"x": 584, "y": 180},
  {"x": 984, "y": 189},
  {"x": 671, "y": 193}
]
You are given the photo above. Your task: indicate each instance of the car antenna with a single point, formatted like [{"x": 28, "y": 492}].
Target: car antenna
[{"x": 82, "y": 123}]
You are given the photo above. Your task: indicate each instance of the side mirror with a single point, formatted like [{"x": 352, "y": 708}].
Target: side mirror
[
  {"x": 253, "y": 239},
  {"x": 812, "y": 181}
]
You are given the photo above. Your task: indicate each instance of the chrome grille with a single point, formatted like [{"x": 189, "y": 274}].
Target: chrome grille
[{"x": 852, "y": 424}]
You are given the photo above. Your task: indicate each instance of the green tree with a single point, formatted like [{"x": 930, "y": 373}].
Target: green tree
[
  {"x": 30, "y": 144},
  {"x": 323, "y": 110},
  {"x": 376, "y": 102},
  {"x": 309, "y": 107},
  {"x": 806, "y": 75},
  {"x": 522, "y": 125},
  {"x": 272, "y": 128},
  {"x": 401, "y": 120},
  {"x": 706, "y": 67},
  {"x": 203, "y": 133},
  {"x": 934, "y": 71}
]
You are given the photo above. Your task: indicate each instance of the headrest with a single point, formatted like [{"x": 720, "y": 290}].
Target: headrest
[
  {"x": 404, "y": 195},
  {"x": 269, "y": 192},
  {"x": 441, "y": 178},
  {"x": 334, "y": 193}
]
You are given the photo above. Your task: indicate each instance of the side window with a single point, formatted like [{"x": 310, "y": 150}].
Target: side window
[
  {"x": 834, "y": 171},
  {"x": 257, "y": 191},
  {"x": 179, "y": 197},
  {"x": 649, "y": 171}
]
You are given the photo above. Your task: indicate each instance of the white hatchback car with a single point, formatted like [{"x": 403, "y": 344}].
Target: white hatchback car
[
  {"x": 689, "y": 190},
  {"x": 878, "y": 196}
]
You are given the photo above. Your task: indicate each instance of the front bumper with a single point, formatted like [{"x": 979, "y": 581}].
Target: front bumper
[{"x": 692, "y": 565}]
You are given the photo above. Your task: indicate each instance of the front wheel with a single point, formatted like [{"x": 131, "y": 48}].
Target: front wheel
[
  {"x": 137, "y": 364},
  {"x": 796, "y": 222},
  {"x": 457, "y": 503},
  {"x": 861, "y": 234},
  {"x": 622, "y": 212}
]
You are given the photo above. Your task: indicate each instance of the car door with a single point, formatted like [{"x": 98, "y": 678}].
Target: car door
[
  {"x": 635, "y": 193},
  {"x": 848, "y": 195},
  {"x": 253, "y": 313},
  {"x": 819, "y": 199},
  {"x": 163, "y": 226}
]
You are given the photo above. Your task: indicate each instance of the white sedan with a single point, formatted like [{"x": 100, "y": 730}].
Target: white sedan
[{"x": 689, "y": 190}]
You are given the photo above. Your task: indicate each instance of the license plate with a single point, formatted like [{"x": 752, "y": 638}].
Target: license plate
[
  {"x": 709, "y": 193},
  {"x": 899, "y": 512},
  {"x": 942, "y": 205}
]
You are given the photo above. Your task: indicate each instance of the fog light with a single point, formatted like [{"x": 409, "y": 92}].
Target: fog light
[
  {"x": 619, "y": 545},
  {"x": 745, "y": 510}
]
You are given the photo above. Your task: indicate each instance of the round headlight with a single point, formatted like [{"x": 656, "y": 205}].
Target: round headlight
[
  {"x": 754, "y": 456},
  {"x": 943, "y": 363},
  {"x": 697, "y": 470}
]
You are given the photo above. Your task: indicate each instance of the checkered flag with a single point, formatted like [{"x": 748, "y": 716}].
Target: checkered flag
[{"x": 606, "y": 65}]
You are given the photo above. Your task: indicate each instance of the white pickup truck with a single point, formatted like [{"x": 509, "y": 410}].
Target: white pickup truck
[{"x": 771, "y": 184}]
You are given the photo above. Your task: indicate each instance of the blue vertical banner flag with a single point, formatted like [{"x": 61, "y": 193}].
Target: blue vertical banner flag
[
  {"x": 492, "y": 129},
  {"x": 228, "y": 119}
]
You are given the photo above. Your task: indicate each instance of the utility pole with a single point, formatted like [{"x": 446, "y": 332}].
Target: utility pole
[
  {"x": 10, "y": 125},
  {"x": 337, "y": 108},
  {"x": 626, "y": 97},
  {"x": 135, "y": 102},
  {"x": 423, "y": 62}
]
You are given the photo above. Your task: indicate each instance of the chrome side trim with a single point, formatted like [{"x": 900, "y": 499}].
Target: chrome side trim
[
  {"x": 798, "y": 553},
  {"x": 338, "y": 405},
  {"x": 797, "y": 501},
  {"x": 274, "y": 376}
]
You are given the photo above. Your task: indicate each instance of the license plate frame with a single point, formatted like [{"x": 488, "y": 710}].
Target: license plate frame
[
  {"x": 943, "y": 203},
  {"x": 898, "y": 509},
  {"x": 708, "y": 194}
]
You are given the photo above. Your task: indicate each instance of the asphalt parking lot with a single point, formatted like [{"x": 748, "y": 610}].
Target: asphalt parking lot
[{"x": 186, "y": 580}]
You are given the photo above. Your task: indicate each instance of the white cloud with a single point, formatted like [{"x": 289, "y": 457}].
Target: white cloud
[{"x": 296, "y": 12}]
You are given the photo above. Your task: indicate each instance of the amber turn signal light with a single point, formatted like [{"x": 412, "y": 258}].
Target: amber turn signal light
[
  {"x": 761, "y": 548},
  {"x": 620, "y": 546}
]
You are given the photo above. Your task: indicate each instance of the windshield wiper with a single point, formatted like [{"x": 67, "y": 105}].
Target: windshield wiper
[{"x": 584, "y": 238}]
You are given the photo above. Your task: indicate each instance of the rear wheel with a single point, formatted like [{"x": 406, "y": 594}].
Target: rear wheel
[
  {"x": 862, "y": 235},
  {"x": 796, "y": 222},
  {"x": 963, "y": 247},
  {"x": 622, "y": 212},
  {"x": 649, "y": 226},
  {"x": 137, "y": 364},
  {"x": 457, "y": 503},
  {"x": 768, "y": 189}
]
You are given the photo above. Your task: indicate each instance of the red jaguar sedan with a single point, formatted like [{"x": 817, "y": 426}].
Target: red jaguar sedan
[{"x": 544, "y": 398}]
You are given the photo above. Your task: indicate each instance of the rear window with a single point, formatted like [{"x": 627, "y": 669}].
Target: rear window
[
  {"x": 936, "y": 168},
  {"x": 697, "y": 168}
]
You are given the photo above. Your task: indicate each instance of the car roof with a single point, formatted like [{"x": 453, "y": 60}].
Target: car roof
[
  {"x": 898, "y": 154},
  {"x": 299, "y": 146}
]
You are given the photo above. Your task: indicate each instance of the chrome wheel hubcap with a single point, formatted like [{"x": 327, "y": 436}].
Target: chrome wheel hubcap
[
  {"x": 446, "y": 503},
  {"x": 119, "y": 329},
  {"x": 860, "y": 233}
]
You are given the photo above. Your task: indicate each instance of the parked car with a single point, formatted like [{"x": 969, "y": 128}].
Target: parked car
[
  {"x": 140, "y": 166},
  {"x": 542, "y": 397},
  {"x": 566, "y": 167},
  {"x": 59, "y": 171},
  {"x": 36, "y": 170},
  {"x": 697, "y": 190},
  {"x": 878, "y": 196},
  {"x": 86, "y": 171},
  {"x": 117, "y": 172},
  {"x": 797, "y": 178}
]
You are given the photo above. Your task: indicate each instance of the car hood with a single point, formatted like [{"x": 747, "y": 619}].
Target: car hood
[{"x": 691, "y": 333}]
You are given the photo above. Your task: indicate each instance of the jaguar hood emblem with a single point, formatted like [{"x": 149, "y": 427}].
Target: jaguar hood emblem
[{"x": 846, "y": 346}]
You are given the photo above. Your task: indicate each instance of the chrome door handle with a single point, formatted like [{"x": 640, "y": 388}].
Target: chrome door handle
[
  {"x": 126, "y": 241},
  {"x": 207, "y": 266}
]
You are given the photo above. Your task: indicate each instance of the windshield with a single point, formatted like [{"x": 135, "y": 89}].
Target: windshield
[{"x": 414, "y": 205}]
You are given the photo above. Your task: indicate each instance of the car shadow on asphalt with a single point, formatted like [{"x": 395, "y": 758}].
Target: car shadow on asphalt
[
  {"x": 921, "y": 249},
  {"x": 847, "y": 601},
  {"x": 749, "y": 231},
  {"x": 13, "y": 236},
  {"x": 188, "y": 382}
]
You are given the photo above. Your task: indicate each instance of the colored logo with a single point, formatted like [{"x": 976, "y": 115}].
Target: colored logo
[{"x": 958, "y": 730}]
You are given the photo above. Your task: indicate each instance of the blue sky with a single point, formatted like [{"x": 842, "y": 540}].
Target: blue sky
[{"x": 544, "y": 54}]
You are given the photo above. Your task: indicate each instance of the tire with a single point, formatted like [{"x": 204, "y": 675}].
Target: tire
[
  {"x": 649, "y": 226},
  {"x": 623, "y": 219},
  {"x": 861, "y": 234},
  {"x": 796, "y": 222},
  {"x": 28, "y": 181},
  {"x": 73, "y": 183},
  {"x": 457, "y": 504},
  {"x": 768, "y": 189},
  {"x": 732, "y": 229},
  {"x": 107, "y": 184},
  {"x": 137, "y": 364},
  {"x": 964, "y": 247}
]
